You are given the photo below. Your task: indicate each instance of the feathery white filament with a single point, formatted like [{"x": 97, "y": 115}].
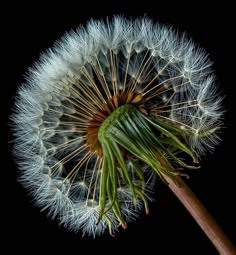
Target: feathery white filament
[{"x": 74, "y": 79}]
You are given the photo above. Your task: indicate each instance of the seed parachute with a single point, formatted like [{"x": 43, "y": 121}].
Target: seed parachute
[{"x": 111, "y": 107}]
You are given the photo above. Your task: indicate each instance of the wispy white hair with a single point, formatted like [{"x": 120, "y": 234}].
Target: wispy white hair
[{"x": 47, "y": 143}]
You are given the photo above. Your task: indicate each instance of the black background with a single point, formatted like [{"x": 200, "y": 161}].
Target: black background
[{"x": 29, "y": 30}]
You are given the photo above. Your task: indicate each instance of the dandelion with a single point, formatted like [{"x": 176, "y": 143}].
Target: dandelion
[{"x": 106, "y": 110}]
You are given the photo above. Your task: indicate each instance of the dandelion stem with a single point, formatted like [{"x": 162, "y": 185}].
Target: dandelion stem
[{"x": 204, "y": 219}]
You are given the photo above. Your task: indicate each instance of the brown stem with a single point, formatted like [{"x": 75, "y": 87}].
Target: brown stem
[
  {"x": 202, "y": 216},
  {"x": 199, "y": 212}
]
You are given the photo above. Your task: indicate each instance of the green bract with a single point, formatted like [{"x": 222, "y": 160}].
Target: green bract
[{"x": 141, "y": 137}]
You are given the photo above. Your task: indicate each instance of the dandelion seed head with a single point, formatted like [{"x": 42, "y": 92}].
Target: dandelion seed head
[{"x": 73, "y": 138}]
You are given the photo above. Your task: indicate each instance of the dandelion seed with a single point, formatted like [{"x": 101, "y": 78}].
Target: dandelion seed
[{"x": 105, "y": 109}]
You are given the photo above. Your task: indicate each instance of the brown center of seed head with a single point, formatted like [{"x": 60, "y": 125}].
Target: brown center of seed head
[{"x": 98, "y": 118}]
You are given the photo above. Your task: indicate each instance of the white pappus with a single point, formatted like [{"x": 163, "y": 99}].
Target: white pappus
[{"x": 75, "y": 79}]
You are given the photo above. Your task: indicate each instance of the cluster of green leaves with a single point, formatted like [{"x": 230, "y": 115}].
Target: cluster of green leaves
[{"x": 128, "y": 131}]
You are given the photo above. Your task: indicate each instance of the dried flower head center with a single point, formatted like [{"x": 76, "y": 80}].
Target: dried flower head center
[{"x": 122, "y": 98}]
